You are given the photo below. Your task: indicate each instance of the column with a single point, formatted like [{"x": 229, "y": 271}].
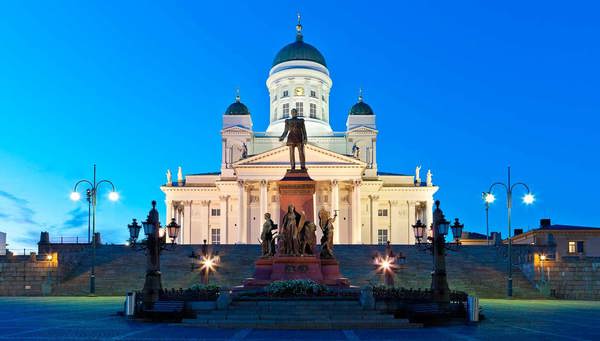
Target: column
[
  {"x": 356, "y": 213},
  {"x": 335, "y": 207},
  {"x": 263, "y": 199},
  {"x": 187, "y": 217},
  {"x": 428, "y": 212},
  {"x": 411, "y": 222},
  {"x": 275, "y": 216},
  {"x": 395, "y": 234},
  {"x": 223, "y": 218},
  {"x": 241, "y": 208},
  {"x": 224, "y": 153},
  {"x": 205, "y": 218}
]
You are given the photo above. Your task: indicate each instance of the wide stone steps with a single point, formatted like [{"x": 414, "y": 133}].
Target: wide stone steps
[
  {"x": 318, "y": 314},
  {"x": 478, "y": 270}
]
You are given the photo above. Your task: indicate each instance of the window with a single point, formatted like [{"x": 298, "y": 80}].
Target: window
[
  {"x": 323, "y": 98},
  {"x": 274, "y": 97},
  {"x": 382, "y": 236},
  {"x": 300, "y": 108},
  {"x": 576, "y": 246},
  {"x": 382, "y": 213},
  {"x": 215, "y": 212},
  {"x": 285, "y": 93},
  {"x": 275, "y": 112},
  {"x": 313, "y": 94},
  {"x": 286, "y": 110},
  {"x": 215, "y": 236},
  {"x": 313, "y": 110}
]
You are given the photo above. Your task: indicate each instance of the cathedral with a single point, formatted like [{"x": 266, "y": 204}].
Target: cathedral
[{"x": 227, "y": 207}]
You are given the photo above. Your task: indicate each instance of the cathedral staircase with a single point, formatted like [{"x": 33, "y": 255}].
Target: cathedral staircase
[
  {"x": 477, "y": 270},
  {"x": 297, "y": 314}
]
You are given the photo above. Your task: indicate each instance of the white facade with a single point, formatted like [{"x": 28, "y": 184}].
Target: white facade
[{"x": 227, "y": 206}]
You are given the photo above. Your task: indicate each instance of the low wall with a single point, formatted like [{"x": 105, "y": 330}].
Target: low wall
[
  {"x": 31, "y": 275},
  {"x": 569, "y": 278}
]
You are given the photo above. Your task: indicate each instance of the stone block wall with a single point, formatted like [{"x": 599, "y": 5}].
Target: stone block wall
[
  {"x": 31, "y": 275},
  {"x": 568, "y": 278}
]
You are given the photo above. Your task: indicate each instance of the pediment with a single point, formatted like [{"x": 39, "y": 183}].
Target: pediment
[
  {"x": 236, "y": 130},
  {"x": 316, "y": 157},
  {"x": 362, "y": 130}
]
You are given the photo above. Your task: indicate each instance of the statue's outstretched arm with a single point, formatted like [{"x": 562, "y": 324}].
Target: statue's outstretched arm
[{"x": 285, "y": 131}]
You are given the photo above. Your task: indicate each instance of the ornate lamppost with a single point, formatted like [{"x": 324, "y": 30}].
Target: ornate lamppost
[
  {"x": 439, "y": 280},
  {"x": 154, "y": 244},
  {"x": 91, "y": 194},
  {"x": 388, "y": 264},
  {"x": 528, "y": 199}
]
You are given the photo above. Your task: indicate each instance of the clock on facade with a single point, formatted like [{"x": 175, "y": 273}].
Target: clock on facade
[{"x": 299, "y": 91}]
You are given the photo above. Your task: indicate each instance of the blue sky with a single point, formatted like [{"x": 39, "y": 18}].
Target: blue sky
[{"x": 463, "y": 88}]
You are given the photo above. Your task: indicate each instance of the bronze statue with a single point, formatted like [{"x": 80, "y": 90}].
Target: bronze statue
[
  {"x": 267, "y": 238},
  {"x": 296, "y": 138},
  {"x": 326, "y": 224},
  {"x": 291, "y": 221},
  {"x": 308, "y": 239}
]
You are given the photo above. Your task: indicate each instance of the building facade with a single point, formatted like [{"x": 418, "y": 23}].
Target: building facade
[{"x": 227, "y": 206}]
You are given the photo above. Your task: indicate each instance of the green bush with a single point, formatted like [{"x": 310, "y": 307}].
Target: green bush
[{"x": 295, "y": 288}]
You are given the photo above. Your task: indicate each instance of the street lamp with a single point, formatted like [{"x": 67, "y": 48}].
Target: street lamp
[
  {"x": 153, "y": 244},
  {"x": 91, "y": 193},
  {"x": 457, "y": 229},
  {"x": 488, "y": 198},
  {"x": 208, "y": 262},
  {"x": 419, "y": 230},
  {"x": 542, "y": 259},
  {"x": 528, "y": 199}
]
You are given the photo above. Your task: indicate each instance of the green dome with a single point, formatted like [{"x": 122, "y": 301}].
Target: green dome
[
  {"x": 299, "y": 50},
  {"x": 237, "y": 108},
  {"x": 361, "y": 108}
]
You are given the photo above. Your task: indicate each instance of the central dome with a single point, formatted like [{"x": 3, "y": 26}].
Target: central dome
[{"x": 299, "y": 50}]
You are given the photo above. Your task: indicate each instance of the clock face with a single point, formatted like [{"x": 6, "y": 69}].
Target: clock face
[{"x": 299, "y": 91}]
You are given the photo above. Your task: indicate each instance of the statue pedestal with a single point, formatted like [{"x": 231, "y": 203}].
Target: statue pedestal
[
  {"x": 280, "y": 268},
  {"x": 297, "y": 188}
]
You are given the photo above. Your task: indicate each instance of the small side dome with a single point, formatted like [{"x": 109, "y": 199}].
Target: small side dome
[
  {"x": 361, "y": 108},
  {"x": 237, "y": 108}
]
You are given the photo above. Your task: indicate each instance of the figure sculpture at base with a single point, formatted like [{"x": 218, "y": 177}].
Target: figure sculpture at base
[
  {"x": 326, "y": 224},
  {"x": 296, "y": 138},
  {"x": 289, "y": 229},
  {"x": 308, "y": 239},
  {"x": 267, "y": 238}
]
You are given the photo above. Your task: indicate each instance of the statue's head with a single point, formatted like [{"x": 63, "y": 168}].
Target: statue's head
[
  {"x": 294, "y": 112},
  {"x": 291, "y": 208},
  {"x": 267, "y": 215}
]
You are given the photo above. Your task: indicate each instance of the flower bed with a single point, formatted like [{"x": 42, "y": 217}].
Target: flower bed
[{"x": 297, "y": 289}]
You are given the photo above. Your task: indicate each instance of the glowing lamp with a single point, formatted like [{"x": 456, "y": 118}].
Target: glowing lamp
[
  {"x": 528, "y": 198},
  {"x": 489, "y": 198},
  {"x": 113, "y": 196},
  {"x": 75, "y": 196}
]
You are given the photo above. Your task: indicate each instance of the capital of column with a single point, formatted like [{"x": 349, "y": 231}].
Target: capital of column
[
  {"x": 394, "y": 202},
  {"x": 223, "y": 197},
  {"x": 334, "y": 182},
  {"x": 205, "y": 202},
  {"x": 356, "y": 183}
]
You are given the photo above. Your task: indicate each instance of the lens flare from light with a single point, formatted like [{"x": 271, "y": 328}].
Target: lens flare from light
[
  {"x": 489, "y": 198},
  {"x": 528, "y": 199}
]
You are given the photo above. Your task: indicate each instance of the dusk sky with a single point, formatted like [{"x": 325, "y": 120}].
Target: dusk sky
[{"x": 462, "y": 88}]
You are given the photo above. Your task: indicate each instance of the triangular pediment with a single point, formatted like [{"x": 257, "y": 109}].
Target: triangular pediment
[
  {"x": 236, "y": 130},
  {"x": 362, "y": 130},
  {"x": 316, "y": 157}
]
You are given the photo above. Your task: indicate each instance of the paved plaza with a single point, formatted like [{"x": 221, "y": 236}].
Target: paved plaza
[{"x": 83, "y": 318}]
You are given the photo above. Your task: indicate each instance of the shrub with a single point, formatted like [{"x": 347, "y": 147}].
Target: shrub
[{"x": 296, "y": 287}]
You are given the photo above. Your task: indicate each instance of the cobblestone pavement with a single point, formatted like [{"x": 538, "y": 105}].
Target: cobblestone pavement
[{"x": 83, "y": 318}]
